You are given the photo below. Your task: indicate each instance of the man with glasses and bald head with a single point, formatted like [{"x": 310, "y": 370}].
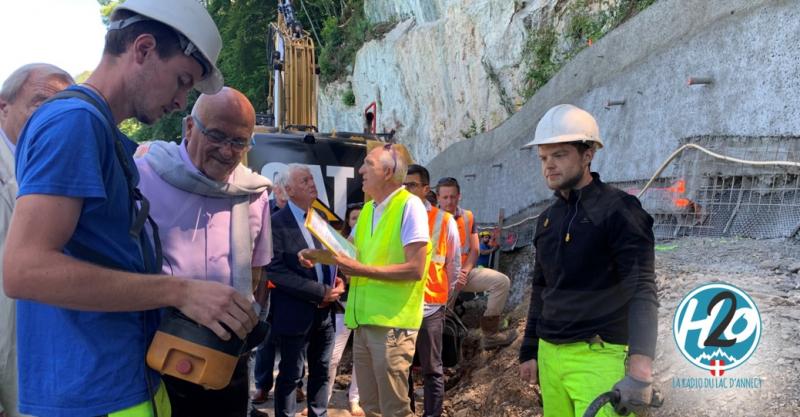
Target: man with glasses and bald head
[{"x": 213, "y": 216}]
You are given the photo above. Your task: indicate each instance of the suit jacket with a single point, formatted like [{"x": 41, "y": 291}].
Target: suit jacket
[{"x": 296, "y": 294}]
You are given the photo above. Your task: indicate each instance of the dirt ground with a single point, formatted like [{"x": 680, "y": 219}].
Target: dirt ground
[
  {"x": 768, "y": 270},
  {"x": 487, "y": 383}
]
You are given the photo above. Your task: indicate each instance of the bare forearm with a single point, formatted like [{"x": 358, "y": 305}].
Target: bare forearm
[
  {"x": 408, "y": 271},
  {"x": 472, "y": 259},
  {"x": 452, "y": 266},
  {"x": 640, "y": 367},
  {"x": 60, "y": 280}
]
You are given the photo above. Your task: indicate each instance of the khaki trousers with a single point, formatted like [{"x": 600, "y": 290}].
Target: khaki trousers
[
  {"x": 493, "y": 282},
  {"x": 382, "y": 359}
]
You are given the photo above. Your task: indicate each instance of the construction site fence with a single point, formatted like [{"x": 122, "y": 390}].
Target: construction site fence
[{"x": 710, "y": 186}]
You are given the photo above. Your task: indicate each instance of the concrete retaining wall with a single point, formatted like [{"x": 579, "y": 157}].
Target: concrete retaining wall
[{"x": 748, "y": 47}]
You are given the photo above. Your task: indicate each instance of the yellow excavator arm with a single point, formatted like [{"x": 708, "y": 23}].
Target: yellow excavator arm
[{"x": 295, "y": 77}]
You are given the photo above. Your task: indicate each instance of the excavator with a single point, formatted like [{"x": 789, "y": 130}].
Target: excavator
[{"x": 288, "y": 134}]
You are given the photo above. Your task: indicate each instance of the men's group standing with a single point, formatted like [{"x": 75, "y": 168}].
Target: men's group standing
[{"x": 100, "y": 243}]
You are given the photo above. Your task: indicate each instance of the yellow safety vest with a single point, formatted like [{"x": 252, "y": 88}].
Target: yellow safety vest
[
  {"x": 370, "y": 301},
  {"x": 437, "y": 284}
]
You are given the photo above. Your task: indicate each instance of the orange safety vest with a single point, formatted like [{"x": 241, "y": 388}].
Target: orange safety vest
[
  {"x": 437, "y": 285},
  {"x": 465, "y": 223}
]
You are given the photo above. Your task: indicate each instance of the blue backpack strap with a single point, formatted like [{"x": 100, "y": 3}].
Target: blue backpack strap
[{"x": 139, "y": 214}]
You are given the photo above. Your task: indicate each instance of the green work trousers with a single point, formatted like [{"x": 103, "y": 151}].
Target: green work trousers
[
  {"x": 145, "y": 409},
  {"x": 572, "y": 375}
]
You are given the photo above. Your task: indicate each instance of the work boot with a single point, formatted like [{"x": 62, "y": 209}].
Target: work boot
[
  {"x": 254, "y": 412},
  {"x": 260, "y": 396},
  {"x": 493, "y": 338}
]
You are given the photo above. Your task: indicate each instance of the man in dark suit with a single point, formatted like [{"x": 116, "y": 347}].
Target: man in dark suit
[{"x": 301, "y": 300}]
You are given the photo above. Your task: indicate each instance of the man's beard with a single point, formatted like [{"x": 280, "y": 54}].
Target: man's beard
[{"x": 569, "y": 184}]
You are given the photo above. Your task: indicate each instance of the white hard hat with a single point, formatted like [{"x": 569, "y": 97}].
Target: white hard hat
[
  {"x": 566, "y": 123},
  {"x": 191, "y": 20}
]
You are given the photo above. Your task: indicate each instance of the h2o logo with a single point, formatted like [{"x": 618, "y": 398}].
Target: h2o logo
[{"x": 717, "y": 327}]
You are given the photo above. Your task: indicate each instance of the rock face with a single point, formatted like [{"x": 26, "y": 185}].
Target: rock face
[{"x": 449, "y": 69}]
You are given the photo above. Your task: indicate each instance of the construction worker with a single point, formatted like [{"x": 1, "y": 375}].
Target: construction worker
[
  {"x": 184, "y": 183},
  {"x": 387, "y": 284},
  {"x": 441, "y": 278},
  {"x": 487, "y": 248},
  {"x": 78, "y": 258},
  {"x": 22, "y": 93},
  {"x": 474, "y": 279},
  {"x": 593, "y": 306}
]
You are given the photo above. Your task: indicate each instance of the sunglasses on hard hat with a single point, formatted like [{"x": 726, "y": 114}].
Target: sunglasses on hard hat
[
  {"x": 187, "y": 47},
  {"x": 390, "y": 148},
  {"x": 220, "y": 139}
]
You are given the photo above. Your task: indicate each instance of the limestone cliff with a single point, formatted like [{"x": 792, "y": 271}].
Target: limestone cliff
[{"x": 447, "y": 70}]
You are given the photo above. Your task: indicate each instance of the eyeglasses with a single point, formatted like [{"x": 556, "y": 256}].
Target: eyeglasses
[
  {"x": 413, "y": 184},
  {"x": 219, "y": 138},
  {"x": 390, "y": 148},
  {"x": 190, "y": 49}
]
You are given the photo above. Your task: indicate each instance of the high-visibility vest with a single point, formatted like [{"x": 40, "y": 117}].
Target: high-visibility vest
[
  {"x": 465, "y": 223},
  {"x": 378, "y": 302},
  {"x": 437, "y": 284}
]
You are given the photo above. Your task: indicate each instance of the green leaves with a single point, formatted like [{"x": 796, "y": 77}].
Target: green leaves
[{"x": 587, "y": 22}]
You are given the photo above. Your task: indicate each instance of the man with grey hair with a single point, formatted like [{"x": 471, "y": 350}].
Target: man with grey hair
[
  {"x": 301, "y": 301},
  {"x": 387, "y": 283},
  {"x": 279, "y": 197},
  {"x": 22, "y": 92}
]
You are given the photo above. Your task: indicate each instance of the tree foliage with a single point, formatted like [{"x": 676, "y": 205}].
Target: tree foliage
[{"x": 338, "y": 27}]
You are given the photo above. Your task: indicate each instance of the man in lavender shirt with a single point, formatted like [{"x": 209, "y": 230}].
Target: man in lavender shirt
[{"x": 214, "y": 221}]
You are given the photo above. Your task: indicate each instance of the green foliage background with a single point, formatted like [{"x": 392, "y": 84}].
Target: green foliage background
[
  {"x": 588, "y": 21},
  {"x": 338, "y": 27}
]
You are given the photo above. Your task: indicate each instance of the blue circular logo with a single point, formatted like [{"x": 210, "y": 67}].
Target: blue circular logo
[{"x": 717, "y": 327}]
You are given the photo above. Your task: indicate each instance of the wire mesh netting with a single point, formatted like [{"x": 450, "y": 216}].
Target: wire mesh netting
[
  {"x": 702, "y": 195},
  {"x": 708, "y": 196}
]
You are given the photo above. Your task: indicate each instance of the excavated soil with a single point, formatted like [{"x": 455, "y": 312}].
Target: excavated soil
[
  {"x": 768, "y": 270},
  {"x": 488, "y": 383}
]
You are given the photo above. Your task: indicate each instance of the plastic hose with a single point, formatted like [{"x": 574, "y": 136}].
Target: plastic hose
[{"x": 664, "y": 166}]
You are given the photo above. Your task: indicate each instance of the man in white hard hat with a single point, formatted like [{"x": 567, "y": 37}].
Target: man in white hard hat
[
  {"x": 85, "y": 272},
  {"x": 593, "y": 306}
]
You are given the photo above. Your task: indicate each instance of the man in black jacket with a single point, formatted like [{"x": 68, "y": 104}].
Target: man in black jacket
[
  {"x": 592, "y": 322},
  {"x": 300, "y": 301}
]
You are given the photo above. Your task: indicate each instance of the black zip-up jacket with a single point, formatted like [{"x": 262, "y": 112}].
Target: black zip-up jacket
[{"x": 594, "y": 273}]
